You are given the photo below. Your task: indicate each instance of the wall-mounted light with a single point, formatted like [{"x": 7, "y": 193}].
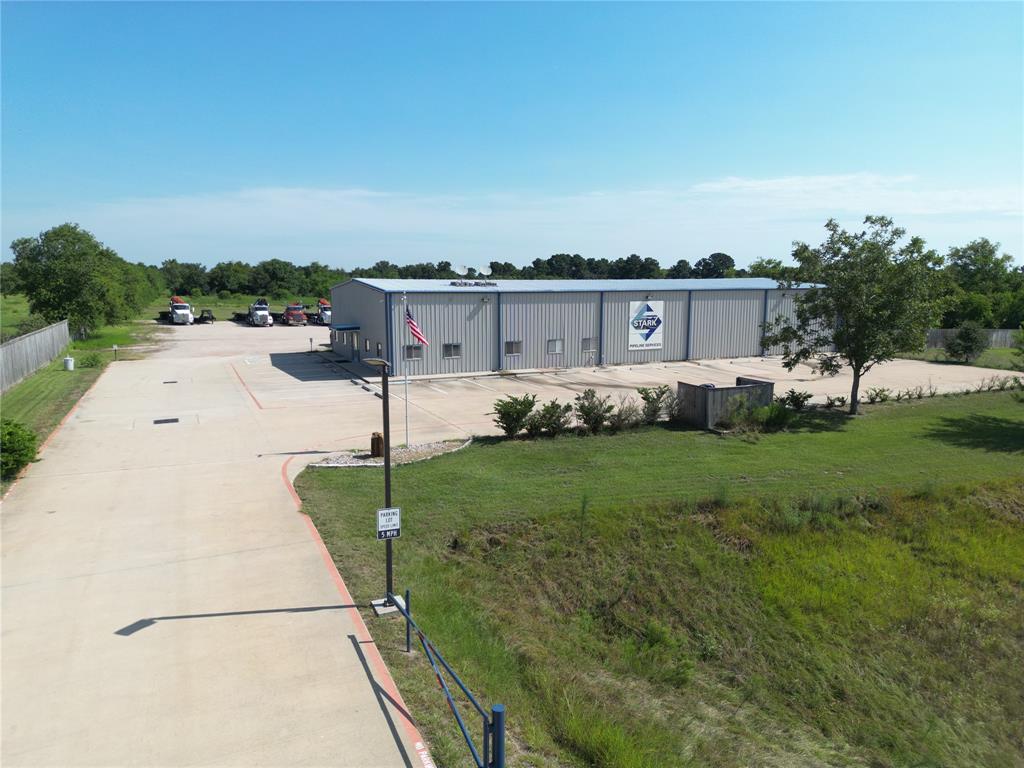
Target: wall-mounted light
[{"x": 485, "y": 299}]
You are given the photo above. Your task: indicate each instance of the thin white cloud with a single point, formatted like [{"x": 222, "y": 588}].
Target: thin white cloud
[{"x": 746, "y": 217}]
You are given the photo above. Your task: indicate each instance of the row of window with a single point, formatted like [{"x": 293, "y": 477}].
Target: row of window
[{"x": 512, "y": 348}]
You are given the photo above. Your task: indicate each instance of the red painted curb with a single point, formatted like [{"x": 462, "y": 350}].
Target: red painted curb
[{"x": 362, "y": 633}]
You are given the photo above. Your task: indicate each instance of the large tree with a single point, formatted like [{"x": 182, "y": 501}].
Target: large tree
[
  {"x": 715, "y": 265},
  {"x": 881, "y": 295},
  {"x": 67, "y": 273}
]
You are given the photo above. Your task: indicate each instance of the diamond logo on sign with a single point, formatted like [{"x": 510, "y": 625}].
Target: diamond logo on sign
[{"x": 646, "y": 324}]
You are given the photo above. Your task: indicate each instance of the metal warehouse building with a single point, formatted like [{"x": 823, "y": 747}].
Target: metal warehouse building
[{"x": 483, "y": 325}]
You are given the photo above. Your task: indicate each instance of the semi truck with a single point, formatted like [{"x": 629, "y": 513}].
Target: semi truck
[
  {"x": 294, "y": 314},
  {"x": 181, "y": 312},
  {"x": 259, "y": 313},
  {"x": 322, "y": 314}
]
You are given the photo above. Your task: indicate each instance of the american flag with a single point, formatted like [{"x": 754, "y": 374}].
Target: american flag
[{"x": 415, "y": 329}]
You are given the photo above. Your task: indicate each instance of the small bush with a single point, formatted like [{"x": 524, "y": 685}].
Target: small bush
[
  {"x": 656, "y": 402},
  {"x": 90, "y": 360},
  {"x": 17, "y": 447},
  {"x": 533, "y": 426},
  {"x": 627, "y": 416},
  {"x": 554, "y": 417},
  {"x": 773, "y": 417},
  {"x": 795, "y": 400},
  {"x": 878, "y": 394},
  {"x": 510, "y": 413},
  {"x": 835, "y": 402},
  {"x": 969, "y": 341},
  {"x": 675, "y": 410},
  {"x": 222, "y": 294},
  {"x": 592, "y": 411}
]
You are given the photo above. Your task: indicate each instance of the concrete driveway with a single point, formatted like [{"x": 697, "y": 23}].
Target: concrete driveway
[{"x": 164, "y": 602}]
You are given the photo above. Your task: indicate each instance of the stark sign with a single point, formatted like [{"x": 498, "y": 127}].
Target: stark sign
[{"x": 389, "y": 523}]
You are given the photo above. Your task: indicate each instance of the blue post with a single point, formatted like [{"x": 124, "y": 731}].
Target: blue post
[
  {"x": 498, "y": 734},
  {"x": 408, "y": 626}
]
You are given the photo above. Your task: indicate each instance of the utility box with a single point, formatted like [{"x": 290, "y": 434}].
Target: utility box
[{"x": 377, "y": 445}]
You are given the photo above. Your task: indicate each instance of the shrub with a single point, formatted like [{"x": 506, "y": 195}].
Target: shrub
[
  {"x": 656, "y": 402},
  {"x": 223, "y": 294},
  {"x": 90, "y": 360},
  {"x": 17, "y": 447},
  {"x": 773, "y": 417},
  {"x": 835, "y": 402},
  {"x": 675, "y": 409},
  {"x": 532, "y": 425},
  {"x": 1018, "y": 343},
  {"x": 626, "y": 416},
  {"x": 554, "y": 417},
  {"x": 510, "y": 413},
  {"x": 969, "y": 341},
  {"x": 593, "y": 411},
  {"x": 795, "y": 400},
  {"x": 878, "y": 394}
]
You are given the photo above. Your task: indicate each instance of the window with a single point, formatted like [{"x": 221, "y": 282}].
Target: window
[
  {"x": 452, "y": 350},
  {"x": 366, "y": 345},
  {"x": 555, "y": 346},
  {"x": 590, "y": 344},
  {"x": 344, "y": 338},
  {"x": 413, "y": 351},
  {"x": 513, "y": 347},
  {"x": 380, "y": 349}
]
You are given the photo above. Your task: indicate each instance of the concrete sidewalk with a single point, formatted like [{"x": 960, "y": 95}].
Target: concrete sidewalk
[{"x": 164, "y": 603}]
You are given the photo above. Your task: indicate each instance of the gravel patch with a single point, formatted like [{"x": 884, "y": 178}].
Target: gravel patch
[{"x": 400, "y": 455}]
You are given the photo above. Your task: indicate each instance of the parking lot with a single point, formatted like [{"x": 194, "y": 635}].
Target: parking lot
[{"x": 335, "y": 398}]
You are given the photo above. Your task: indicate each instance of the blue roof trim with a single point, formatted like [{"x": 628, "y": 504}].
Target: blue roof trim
[
  {"x": 388, "y": 285},
  {"x": 344, "y": 327}
]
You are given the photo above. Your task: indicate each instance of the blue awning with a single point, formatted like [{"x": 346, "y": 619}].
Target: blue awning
[{"x": 344, "y": 327}]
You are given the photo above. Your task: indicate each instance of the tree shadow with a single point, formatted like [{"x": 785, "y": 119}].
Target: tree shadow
[
  {"x": 986, "y": 433},
  {"x": 819, "y": 420}
]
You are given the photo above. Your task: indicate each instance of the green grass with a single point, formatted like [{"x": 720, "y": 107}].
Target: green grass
[
  {"x": 999, "y": 357},
  {"x": 14, "y": 313},
  {"x": 668, "y": 598}
]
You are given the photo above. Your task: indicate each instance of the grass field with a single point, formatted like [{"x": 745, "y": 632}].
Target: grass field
[
  {"x": 1000, "y": 357},
  {"x": 667, "y": 598},
  {"x": 13, "y": 313}
]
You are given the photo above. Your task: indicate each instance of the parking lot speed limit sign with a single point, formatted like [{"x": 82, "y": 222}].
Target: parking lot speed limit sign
[{"x": 389, "y": 523}]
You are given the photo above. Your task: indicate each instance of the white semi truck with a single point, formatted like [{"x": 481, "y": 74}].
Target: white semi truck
[
  {"x": 181, "y": 312},
  {"x": 259, "y": 313}
]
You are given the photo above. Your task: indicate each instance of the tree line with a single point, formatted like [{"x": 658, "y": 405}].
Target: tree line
[{"x": 67, "y": 272}]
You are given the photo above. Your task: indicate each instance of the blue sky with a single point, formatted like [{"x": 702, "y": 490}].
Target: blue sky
[{"x": 348, "y": 133}]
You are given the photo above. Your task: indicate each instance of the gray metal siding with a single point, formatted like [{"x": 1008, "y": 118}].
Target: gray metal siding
[
  {"x": 358, "y": 304},
  {"x": 616, "y": 327},
  {"x": 780, "y": 304},
  {"x": 534, "y": 318},
  {"x": 727, "y": 324},
  {"x": 447, "y": 318}
]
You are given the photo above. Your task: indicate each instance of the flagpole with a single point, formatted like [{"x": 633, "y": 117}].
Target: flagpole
[{"x": 406, "y": 366}]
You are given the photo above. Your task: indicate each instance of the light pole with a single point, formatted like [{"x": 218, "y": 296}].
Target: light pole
[{"x": 378, "y": 362}]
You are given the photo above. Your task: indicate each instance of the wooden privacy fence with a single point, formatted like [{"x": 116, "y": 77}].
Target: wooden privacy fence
[
  {"x": 997, "y": 337},
  {"x": 704, "y": 405},
  {"x": 26, "y": 354}
]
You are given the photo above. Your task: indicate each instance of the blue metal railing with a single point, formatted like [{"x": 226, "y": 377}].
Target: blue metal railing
[{"x": 493, "y": 723}]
